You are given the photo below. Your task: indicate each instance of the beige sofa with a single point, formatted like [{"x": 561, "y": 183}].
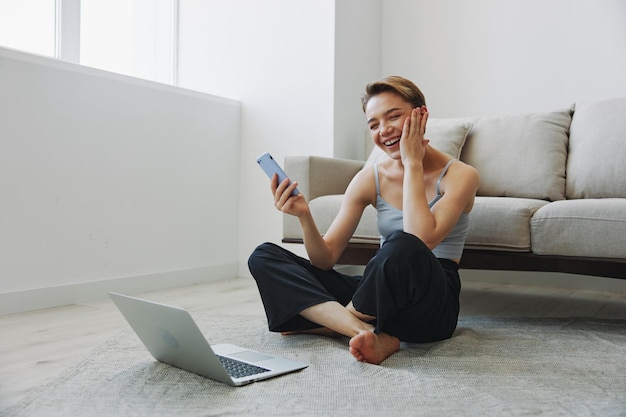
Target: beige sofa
[{"x": 552, "y": 195}]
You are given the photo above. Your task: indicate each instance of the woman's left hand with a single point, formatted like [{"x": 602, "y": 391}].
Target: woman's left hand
[{"x": 412, "y": 142}]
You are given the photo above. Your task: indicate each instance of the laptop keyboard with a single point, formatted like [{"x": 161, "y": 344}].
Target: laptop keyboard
[{"x": 238, "y": 369}]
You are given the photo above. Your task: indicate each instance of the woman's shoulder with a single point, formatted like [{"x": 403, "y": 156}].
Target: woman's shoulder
[
  {"x": 462, "y": 174},
  {"x": 463, "y": 168},
  {"x": 362, "y": 187}
]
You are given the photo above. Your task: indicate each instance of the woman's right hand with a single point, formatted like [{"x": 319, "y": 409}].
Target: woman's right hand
[{"x": 284, "y": 201}]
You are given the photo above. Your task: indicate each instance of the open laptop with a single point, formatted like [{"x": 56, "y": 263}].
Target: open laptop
[{"x": 172, "y": 337}]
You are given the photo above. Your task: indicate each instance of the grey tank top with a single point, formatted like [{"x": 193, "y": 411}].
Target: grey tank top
[{"x": 389, "y": 220}]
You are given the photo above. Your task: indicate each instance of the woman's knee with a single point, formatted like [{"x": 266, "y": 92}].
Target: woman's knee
[
  {"x": 402, "y": 245},
  {"x": 404, "y": 260},
  {"x": 260, "y": 256}
]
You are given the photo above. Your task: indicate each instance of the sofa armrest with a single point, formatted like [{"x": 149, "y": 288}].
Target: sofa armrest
[{"x": 317, "y": 176}]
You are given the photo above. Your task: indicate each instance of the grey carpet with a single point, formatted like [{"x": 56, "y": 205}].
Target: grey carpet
[{"x": 490, "y": 367}]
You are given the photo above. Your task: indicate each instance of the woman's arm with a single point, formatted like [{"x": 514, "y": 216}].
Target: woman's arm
[
  {"x": 356, "y": 198},
  {"x": 433, "y": 225},
  {"x": 461, "y": 183},
  {"x": 324, "y": 251}
]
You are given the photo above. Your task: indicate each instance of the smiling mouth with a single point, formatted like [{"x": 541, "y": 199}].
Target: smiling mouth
[{"x": 391, "y": 142}]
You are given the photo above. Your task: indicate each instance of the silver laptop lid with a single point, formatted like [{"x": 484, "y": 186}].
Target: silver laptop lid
[{"x": 171, "y": 336}]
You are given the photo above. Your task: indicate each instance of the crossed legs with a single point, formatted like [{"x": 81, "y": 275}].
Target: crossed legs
[
  {"x": 365, "y": 345},
  {"x": 404, "y": 289}
]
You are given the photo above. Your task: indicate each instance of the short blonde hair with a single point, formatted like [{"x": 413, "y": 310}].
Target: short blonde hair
[{"x": 395, "y": 84}]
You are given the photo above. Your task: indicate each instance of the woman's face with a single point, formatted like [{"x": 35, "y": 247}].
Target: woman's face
[{"x": 385, "y": 114}]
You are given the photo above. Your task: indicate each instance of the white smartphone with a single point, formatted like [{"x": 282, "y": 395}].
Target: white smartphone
[{"x": 271, "y": 167}]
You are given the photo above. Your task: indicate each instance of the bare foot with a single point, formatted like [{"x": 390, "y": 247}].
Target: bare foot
[
  {"x": 370, "y": 347},
  {"x": 322, "y": 331}
]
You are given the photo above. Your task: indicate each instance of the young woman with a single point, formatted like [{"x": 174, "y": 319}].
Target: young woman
[{"x": 410, "y": 289}]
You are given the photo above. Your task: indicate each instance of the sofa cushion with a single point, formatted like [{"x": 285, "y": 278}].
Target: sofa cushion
[
  {"x": 597, "y": 150},
  {"x": 495, "y": 223},
  {"x": 501, "y": 223},
  {"x": 520, "y": 155},
  {"x": 446, "y": 135},
  {"x": 590, "y": 227}
]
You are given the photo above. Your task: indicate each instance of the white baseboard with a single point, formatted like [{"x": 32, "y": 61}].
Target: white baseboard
[{"x": 40, "y": 298}]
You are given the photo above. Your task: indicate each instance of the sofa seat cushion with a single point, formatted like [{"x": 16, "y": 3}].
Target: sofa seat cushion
[
  {"x": 495, "y": 223},
  {"x": 324, "y": 210},
  {"x": 520, "y": 155},
  {"x": 502, "y": 223},
  {"x": 597, "y": 150},
  {"x": 584, "y": 228}
]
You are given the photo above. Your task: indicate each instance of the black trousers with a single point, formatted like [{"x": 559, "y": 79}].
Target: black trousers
[{"x": 413, "y": 295}]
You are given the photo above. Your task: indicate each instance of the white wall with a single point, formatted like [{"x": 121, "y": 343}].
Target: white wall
[
  {"x": 358, "y": 29},
  {"x": 491, "y": 57},
  {"x": 110, "y": 183},
  {"x": 283, "y": 60},
  {"x": 277, "y": 58}
]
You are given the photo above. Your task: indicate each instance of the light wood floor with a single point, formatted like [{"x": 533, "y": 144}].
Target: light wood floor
[{"x": 36, "y": 347}]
